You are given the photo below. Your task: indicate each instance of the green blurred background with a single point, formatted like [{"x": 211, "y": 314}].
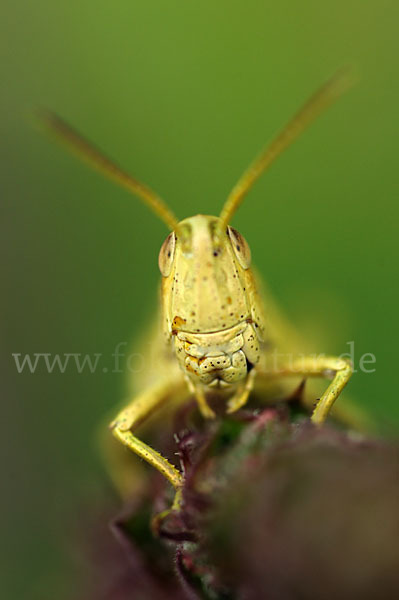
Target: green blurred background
[{"x": 183, "y": 94}]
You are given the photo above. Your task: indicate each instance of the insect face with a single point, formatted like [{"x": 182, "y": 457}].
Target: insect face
[{"x": 205, "y": 276}]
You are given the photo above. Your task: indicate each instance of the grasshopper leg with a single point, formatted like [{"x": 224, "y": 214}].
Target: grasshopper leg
[
  {"x": 199, "y": 394},
  {"x": 240, "y": 398},
  {"x": 137, "y": 411},
  {"x": 203, "y": 405},
  {"x": 330, "y": 367}
]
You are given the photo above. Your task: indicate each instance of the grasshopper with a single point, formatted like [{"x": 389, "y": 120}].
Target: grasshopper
[{"x": 215, "y": 333}]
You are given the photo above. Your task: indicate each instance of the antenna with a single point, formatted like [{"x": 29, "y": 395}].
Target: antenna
[
  {"x": 321, "y": 99},
  {"x": 86, "y": 151}
]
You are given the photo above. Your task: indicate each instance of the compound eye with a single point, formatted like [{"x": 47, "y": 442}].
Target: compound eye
[
  {"x": 240, "y": 247},
  {"x": 166, "y": 253}
]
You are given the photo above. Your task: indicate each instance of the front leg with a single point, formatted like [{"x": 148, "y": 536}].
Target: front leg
[
  {"x": 135, "y": 413},
  {"x": 240, "y": 398},
  {"x": 330, "y": 367},
  {"x": 200, "y": 397}
]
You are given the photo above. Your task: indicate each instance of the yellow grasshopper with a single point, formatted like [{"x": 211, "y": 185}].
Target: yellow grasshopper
[{"x": 215, "y": 336}]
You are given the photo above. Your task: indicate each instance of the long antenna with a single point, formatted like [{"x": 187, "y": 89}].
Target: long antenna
[
  {"x": 96, "y": 159},
  {"x": 321, "y": 99}
]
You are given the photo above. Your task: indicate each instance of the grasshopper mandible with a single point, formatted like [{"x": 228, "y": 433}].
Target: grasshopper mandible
[{"x": 213, "y": 322}]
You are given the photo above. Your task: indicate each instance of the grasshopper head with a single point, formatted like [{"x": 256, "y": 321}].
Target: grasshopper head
[{"x": 204, "y": 276}]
